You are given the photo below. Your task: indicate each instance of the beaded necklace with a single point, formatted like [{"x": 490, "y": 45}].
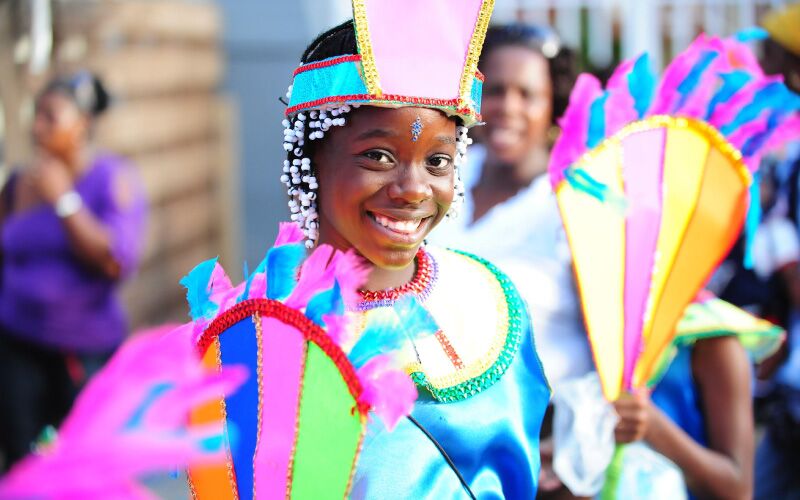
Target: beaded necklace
[{"x": 421, "y": 285}]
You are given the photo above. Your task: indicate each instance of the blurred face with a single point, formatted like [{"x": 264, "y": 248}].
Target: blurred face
[
  {"x": 59, "y": 126},
  {"x": 380, "y": 192},
  {"x": 517, "y": 103}
]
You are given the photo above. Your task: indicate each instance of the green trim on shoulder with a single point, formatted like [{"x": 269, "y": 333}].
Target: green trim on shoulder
[{"x": 516, "y": 320}]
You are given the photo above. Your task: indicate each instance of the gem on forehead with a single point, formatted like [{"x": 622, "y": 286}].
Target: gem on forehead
[{"x": 416, "y": 129}]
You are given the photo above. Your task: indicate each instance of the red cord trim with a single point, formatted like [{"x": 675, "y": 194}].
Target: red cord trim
[
  {"x": 328, "y": 62},
  {"x": 422, "y": 101},
  {"x": 294, "y": 318}
]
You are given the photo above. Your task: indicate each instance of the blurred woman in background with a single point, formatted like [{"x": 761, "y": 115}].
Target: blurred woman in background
[{"x": 72, "y": 228}]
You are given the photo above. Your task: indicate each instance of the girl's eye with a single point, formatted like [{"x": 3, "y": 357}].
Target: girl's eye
[
  {"x": 379, "y": 156},
  {"x": 440, "y": 162}
]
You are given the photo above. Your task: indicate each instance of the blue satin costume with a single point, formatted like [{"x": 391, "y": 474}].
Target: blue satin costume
[{"x": 492, "y": 437}]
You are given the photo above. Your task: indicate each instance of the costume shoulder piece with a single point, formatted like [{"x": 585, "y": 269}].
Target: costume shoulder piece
[
  {"x": 480, "y": 319},
  {"x": 294, "y": 428}
]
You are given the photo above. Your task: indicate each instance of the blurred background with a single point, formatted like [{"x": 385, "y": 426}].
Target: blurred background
[{"x": 196, "y": 87}]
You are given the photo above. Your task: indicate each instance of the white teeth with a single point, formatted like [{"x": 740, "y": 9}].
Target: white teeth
[{"x": 401, "y": 226}]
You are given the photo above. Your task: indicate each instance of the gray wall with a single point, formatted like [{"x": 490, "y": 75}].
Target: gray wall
[{"x": 263, "y": 41}]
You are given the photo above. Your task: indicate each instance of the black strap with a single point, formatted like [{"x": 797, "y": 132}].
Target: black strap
[{"x": 445, "y": 455}]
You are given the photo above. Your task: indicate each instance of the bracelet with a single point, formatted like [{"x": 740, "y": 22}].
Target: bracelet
[{"x": 68, "y": 204}]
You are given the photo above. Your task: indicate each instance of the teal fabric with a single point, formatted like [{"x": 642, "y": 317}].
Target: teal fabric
[
  {"x": 492, "y": 437},
  {"x": 340, "y": 79},
  {"x": 477, "y": 93}
]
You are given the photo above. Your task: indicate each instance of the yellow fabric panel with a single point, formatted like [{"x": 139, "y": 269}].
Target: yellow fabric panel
[
  {"x": 596, "y": 233},
  {"x": 684, "y": 167},
  {"x": 720, "y": 212}
]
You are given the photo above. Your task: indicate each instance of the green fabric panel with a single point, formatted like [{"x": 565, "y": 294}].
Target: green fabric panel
[{"x": 328, "y": 436}]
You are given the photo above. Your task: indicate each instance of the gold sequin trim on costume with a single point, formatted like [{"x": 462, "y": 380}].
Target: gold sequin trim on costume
[
  {"x": 710, "y": 133},
  {"x": 473, "y": 53},
  {"x": 259, "y": 364},
  {"x": 368, "y": 66}
]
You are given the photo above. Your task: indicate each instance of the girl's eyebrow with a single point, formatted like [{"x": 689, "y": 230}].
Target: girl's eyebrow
[
  {"x": 446, "y": 139},
  {"x": 376, "y": 132}
]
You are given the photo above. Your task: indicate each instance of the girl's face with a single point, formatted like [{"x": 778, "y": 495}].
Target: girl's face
[
  {"x": 59, "y": 126},
  {"x": 517, "y": 103},
  {"x": 380, "y": 192}
]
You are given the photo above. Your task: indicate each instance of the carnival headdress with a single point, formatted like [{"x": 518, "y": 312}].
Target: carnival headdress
[
  {"x": 414, "y": 53},
  {"x": 669, "y": 167},
  {"x": 418, "y": 53}
]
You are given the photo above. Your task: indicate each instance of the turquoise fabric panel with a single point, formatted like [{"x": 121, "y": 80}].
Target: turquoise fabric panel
[
  {"x": 493, "y": 438},
  {"x": 336, "y": 80}
]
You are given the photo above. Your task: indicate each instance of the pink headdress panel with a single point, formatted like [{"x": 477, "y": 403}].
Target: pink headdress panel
[{"x": 414, "y": 53}]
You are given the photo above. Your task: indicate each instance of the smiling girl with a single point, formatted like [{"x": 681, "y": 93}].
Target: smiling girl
[{"x": 376, "y": 173}]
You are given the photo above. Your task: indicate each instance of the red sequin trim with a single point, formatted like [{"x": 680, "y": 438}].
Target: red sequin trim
[
  {"x": 328, "y": 62},
  {"x": 421, "y": 281},
  {"x": 423, "y": 101},
  {"x": 294, "y": 318},
  {"x": 449, "y": 350},
  {"x": 479, "y": 75}
]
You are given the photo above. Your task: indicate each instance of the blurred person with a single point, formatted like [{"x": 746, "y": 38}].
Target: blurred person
[
  {"x": 528, "y": 77},
  {"x": 778, "y": 453},
  {"x": 72, "y": 228}
]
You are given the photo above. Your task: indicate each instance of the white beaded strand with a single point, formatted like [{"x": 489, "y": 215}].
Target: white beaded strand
[
  {"x": 297, "y": 176},
  {"x": 462, "y": 143}
]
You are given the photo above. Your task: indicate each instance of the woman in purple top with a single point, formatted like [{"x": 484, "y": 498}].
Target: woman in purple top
[{"x": 71, "y": 227}]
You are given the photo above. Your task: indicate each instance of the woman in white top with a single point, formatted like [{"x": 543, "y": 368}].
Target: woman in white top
[{"x": 505, "y": 182}]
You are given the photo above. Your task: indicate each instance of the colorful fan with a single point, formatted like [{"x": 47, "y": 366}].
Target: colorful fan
[
  {"x": 668, "y": 172},
  {"x": 295, "y": 428}
]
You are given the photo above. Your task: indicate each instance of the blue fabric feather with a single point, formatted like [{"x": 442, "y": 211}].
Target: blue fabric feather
[
  {"x": 642, "y": 84},
  {"x": 752, "y": 33},
  {"x": 731, "y": 84},
  {"x": 755, "y": 143},
  {"x": 390, "y": 328},
  {"x": 689, "y": 84},
  {"x": 752, "y": 220},
  {"x": 580, "y": 180},
  {"x": 262, "y": 266},
  {"x": 769, "y": 97},
  {"x": 282, "y": 263},
  {"x": 326, "y": 302},
  {"x": 597, "y": 121},
  {"x": 198, "y": 290}
]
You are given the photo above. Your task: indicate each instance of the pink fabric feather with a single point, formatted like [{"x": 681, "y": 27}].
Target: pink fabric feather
[
  {"x": 667, "y": 94},
  {"x": 129, "y": 421},
  {"x": 288, "y": 233},
  {"x": 316, "y": 274},
  {"x": 574, "y": 124},
  {"x": 352, "y": 271},
  {"x": 619, "y": 106},
  {"x": 388, "y": 390}
]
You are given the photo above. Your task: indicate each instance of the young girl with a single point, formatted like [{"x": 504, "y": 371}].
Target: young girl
[{"x": 378, "y": 178}]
